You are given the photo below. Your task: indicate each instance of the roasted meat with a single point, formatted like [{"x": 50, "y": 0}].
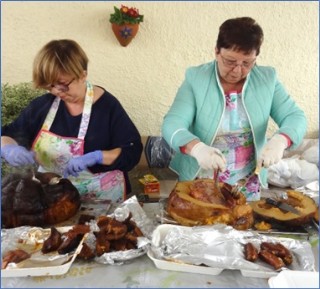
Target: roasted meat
[{"x": 199, "y": 202}]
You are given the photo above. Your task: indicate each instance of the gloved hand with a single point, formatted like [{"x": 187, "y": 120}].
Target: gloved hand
[
  {"x": 17, "y": 155},
  {"x": 208, "y": 157},
  {"x": 78, "y": 164},
  {"x": 273, "y": 151}
]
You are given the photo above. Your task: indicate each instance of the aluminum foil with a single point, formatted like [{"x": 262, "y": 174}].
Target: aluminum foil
[
  {"x": 221, "y": 246},
  {"x": 22, "y": 236},
  {"x": 120, "y": 213},
  {"x": 139, "y": 216},
  {"x": 30, "y": 239}
]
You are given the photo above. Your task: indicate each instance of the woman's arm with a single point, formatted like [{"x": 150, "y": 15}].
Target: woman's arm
[
  {"x": 112, "y": 131},
  {"x": 5, "y": 140},
  {"x": 108, "y": 157},
  {"x": 288, "y": 115}
]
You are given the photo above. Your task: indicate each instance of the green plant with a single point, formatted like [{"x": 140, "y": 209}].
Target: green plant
[
  {"x": 125, "y": 15},
  {"x": 14, "y": 98}
]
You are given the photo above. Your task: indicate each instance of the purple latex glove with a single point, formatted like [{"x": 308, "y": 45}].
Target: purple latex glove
[
  {"x": 78, "y": 164},
  {"x": 17, "y": 155}
]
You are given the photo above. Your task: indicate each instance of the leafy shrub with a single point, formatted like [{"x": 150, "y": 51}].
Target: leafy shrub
[{"x": 16, "y": 97}]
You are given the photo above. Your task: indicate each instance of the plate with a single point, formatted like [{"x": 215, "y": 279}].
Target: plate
[
  {"x": 263, "y": 271},
  {"x": 295, "y": 279},
  {"x": 48, "y": 270}
]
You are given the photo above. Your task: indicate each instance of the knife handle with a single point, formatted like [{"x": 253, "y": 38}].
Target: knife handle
[{"x": 272, "y": 202}]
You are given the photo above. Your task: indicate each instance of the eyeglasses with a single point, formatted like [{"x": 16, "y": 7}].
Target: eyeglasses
[
  {"x": 233, "y": 63},
  {"x": 62, "y": 87}
]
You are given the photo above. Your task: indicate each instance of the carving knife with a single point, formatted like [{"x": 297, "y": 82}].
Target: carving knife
[
  {"x": 281, "y": 205},
  {"x": 216, "y": 180}
]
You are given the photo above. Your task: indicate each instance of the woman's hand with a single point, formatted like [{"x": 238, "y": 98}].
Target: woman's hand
[
  {"x": 208, "y": 157},
  {"x": 17, "y": 155},
  {"x": 78, "y": 164},
  {"x": 273, "y": 151}
]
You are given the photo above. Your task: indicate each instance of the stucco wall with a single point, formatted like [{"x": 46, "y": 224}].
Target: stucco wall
[{"x": 145, "y": 75}]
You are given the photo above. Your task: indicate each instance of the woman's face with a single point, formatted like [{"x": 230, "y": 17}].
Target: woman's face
[
  {"x": 234, "y": 66},
  {"x": 68, "y": 88}
]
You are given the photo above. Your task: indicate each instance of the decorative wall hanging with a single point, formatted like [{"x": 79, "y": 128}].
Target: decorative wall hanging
[{"x": 125, "y": 23}]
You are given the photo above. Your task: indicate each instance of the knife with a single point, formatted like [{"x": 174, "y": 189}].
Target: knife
[{"x": 283, "y": 206}]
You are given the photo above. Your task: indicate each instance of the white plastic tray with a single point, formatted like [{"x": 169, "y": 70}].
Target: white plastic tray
[
  {"x": 47, "y": 270},
  {"x": 160, "y": 233},
  {"x": 295, "y": 279},
  {"x": 182, "y": 267}
]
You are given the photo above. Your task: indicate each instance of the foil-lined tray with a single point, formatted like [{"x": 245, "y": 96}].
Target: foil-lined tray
[
  {"x": 212, "y": 249},
  {"x": 30, "y": 239},
  {"x": 300, "y": 232}
]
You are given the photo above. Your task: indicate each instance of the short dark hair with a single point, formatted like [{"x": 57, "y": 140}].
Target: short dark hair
[{"x": 241, "y": 34}]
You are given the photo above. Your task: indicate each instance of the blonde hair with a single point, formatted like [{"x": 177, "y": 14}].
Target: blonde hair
[{"x": 58, "y": 57}]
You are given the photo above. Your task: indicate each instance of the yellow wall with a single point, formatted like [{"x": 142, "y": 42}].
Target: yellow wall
[{"x": 145, "y": 75}]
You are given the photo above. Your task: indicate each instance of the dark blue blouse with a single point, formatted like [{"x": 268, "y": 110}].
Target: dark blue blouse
[{"x": 109, "y": 127}]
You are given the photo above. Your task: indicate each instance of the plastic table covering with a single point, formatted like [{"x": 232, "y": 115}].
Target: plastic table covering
[{"x": 139, "y": 273}]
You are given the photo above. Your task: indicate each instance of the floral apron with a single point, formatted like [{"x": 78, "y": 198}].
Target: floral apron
[
  {"x": 235, "y": 141},
  {"x": 54, "y": 152}
]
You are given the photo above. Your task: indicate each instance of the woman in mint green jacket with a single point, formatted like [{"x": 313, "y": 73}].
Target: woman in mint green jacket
[{"x": 219, "y": 117}]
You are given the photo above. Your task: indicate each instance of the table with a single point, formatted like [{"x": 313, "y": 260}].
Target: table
[{"x": 139, "y": 273}]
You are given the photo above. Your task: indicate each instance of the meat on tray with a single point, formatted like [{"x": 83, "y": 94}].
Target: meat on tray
[
  {"x": 250, "y": 252},
  {"x": 14, "y": 256},
  {"x": 274, "y": 254},
  {"x": 72, "y": 238},
  {"x": 53, "y": 242},
  {"x": 279, "y": 250},
  {"x": 112, "y": 236}
]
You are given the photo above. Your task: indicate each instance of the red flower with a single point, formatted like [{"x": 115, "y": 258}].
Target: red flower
[{"x": 133, "y": 12}]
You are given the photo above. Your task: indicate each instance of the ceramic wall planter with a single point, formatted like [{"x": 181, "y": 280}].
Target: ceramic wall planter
[{"x": 125, "y": 33}]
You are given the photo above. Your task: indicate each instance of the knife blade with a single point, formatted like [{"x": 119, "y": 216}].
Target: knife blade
[
  {"x": 216, "y": 180},
  {"x": 282, "y": 205}
]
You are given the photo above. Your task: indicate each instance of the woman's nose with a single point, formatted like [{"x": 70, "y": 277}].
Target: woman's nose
[{"x": 237, "y": 68}]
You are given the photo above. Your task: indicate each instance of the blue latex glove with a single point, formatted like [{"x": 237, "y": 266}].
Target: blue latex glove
[
  {"x": 17, "y": 155},
  {"x": 78, "y": 164}
]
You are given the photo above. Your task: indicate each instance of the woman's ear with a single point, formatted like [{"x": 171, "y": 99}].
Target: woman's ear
[
  {"x": 216, "y": 51},
  {"x": 84, "y": 76}
]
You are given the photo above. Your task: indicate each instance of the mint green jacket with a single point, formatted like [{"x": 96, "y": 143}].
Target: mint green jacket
[{"x": 198, "y": 107}]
